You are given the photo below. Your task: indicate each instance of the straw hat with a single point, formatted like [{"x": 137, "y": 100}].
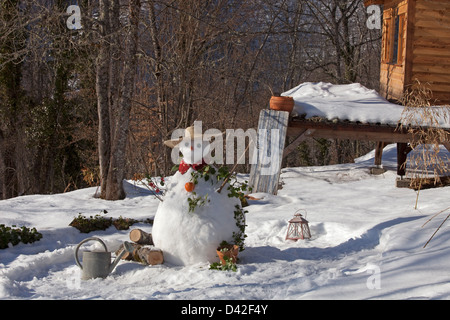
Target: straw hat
[{"x": 189, "y": 132}]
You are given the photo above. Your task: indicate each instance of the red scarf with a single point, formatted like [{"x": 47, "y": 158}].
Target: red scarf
[{"x": 185, "y": 166}]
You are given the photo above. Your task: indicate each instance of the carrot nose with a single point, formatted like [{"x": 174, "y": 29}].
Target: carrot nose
[{"x": 192, "y": 148}]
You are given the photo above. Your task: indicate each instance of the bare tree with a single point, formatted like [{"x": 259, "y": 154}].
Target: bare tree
[
  {"x": 341, "y": 25},
  {"x": 37, "y": 62},
  {"x": 149, "y": 69},
  {"x": 199, "y": 56}
]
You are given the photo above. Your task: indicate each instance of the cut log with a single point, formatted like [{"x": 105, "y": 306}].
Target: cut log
[
  {"x": 128, "y": 255},
  {"x": 146, "y": 255},
  {"x": 135, "y": 255},
  {"x": 141, "y": 237},
  {"x": 151, "y": 256}
]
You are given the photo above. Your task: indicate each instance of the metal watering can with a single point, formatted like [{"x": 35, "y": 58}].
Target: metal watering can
[{"x": 98, "y": 264}]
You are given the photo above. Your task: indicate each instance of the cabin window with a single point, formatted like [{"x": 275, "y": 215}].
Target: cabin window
[
  {"x": 394, "y": 38},
  {"x": 399, "y": 40}
]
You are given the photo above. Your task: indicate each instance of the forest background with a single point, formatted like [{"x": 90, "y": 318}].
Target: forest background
[{"x": 93, "y": 104}]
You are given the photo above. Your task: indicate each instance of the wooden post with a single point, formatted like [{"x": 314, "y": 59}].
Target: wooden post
[
  {"x": 265, "y": 173},
  {"x": 379, "y": 153},
  {"x": 446, "y": 145},
  {"x": 378, "y": 166},
  {"x": 402, "y": 152}
]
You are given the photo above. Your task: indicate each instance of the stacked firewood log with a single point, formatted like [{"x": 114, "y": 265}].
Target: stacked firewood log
[{"x": 144, "y": 251}]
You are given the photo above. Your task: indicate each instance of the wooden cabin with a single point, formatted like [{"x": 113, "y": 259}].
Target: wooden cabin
[{"x": 415, "y": 45}]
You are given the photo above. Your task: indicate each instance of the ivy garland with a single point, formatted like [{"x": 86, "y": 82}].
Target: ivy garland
[{"x": 235, "y": 189}]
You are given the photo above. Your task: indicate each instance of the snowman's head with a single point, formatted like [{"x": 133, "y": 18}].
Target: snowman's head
[
  {"x": 193, "y": 150},
  {"x": 192, "y": 144}
]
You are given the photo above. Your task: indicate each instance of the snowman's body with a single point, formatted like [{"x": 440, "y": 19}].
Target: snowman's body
[{"x": 192, "y": 237}]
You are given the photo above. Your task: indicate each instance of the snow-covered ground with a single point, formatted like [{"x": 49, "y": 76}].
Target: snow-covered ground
[{"x": 367, "y": 243}]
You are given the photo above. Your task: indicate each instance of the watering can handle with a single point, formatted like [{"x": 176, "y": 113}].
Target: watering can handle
[{"x": 86, "y": 240}]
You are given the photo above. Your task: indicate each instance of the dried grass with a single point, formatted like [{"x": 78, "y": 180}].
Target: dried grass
[{"x": 422, "y": 118}]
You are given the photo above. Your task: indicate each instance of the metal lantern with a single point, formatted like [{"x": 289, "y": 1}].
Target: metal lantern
[{"x": 298, "y": 228}]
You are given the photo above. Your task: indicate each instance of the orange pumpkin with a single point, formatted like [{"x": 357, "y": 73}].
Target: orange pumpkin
[{"x": 189, "y": 186}]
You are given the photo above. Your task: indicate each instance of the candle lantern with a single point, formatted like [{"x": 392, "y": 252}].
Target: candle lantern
[{"x": 298, "y": 227}]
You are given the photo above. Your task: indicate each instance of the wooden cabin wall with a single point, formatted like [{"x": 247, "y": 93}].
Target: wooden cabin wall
[
  {"x": 392, "y": 76},
  {"x": 431, "y": 47}
]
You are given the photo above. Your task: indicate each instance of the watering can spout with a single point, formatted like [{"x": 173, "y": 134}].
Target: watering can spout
[{"x": 127, "y": 248}]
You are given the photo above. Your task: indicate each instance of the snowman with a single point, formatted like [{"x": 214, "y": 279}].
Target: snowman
[{"x": 194, "y": 218}]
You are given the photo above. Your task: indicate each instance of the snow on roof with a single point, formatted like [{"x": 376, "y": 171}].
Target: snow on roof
[{"x": 352, "y": 102}]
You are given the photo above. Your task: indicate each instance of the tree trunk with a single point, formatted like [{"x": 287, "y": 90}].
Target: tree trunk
[
  {"x": 102, "y": 80},
  {"x": 115, "y": 87}
]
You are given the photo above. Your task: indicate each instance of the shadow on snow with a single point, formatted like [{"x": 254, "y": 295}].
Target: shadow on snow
[{"x": 369, "y": 240}]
